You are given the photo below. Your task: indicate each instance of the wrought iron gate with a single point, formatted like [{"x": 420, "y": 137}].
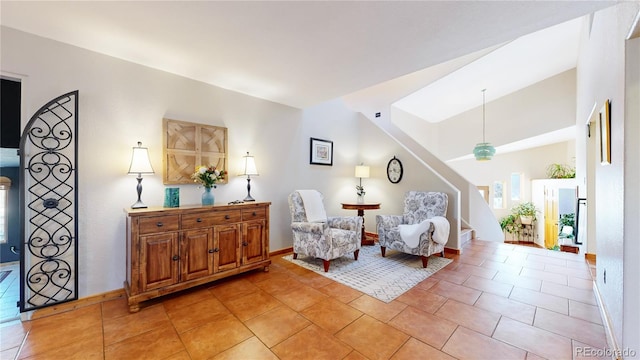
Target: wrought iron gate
[{"x": 49, "y": 205}]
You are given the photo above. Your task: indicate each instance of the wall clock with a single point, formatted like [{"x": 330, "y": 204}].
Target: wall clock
[{"x": 394, "y": 170}]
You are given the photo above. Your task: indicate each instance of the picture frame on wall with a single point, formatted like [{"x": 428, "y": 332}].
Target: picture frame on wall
[
  {"x": 321, "y": 152},
  {"x": 604, "y": 125},
  {"x": 187, "y": 145}
]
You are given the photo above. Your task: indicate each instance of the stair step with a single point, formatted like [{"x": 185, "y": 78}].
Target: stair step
[{"x": 466, "y": 234}]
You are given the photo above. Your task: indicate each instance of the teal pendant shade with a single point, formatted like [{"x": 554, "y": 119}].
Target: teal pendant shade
[{"x": 483, "y": 151}]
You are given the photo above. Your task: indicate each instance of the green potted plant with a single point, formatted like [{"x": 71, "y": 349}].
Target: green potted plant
[
  {"x": 566, "y": 224},
  {"x": 561, "y": 171},
  {"x": 526, "y": 211},
  {"x": 509, "y": 225}
]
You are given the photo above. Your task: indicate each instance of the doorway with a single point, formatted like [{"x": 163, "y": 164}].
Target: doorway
[
  {"x": 10, "y": 115},
  {"x": 557, "y": 198}
]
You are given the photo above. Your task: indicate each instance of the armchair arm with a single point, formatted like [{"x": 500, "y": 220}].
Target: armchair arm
[
  {"x": 309, "y": 227},
  {"x": 388, "y": 221},
  {"x": 352, "y": 223}
]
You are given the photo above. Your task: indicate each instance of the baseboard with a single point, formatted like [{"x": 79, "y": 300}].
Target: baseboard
[
  {"x": 371, "y": 235},
  {"x": 281, "y": 251},
  {"x": 614, "y": 349},
  {"x": 452, "y": 251},
  {"x": 75, "y": 304}
]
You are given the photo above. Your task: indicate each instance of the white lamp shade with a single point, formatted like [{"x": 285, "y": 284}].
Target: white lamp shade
[
  {"x": 362, "y": 171},
  {"x": 249, "y": 166},
  {"x": 140, "y": 163}
]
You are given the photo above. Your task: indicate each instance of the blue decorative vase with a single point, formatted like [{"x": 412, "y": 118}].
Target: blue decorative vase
[{"x": 207, "y": 197}]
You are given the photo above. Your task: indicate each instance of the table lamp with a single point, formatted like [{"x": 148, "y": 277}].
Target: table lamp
[
  {"x": 249, "y": 169},
  {"x": 362, "y": 171},
  {"x": 140, "y": 164}
]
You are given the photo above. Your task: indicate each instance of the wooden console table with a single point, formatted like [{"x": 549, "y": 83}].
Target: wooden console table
[
  {"x": 172, "y": 249},
  {"x": 361, "y": 208}
]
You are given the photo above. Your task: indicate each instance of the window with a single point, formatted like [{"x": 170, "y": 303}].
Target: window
[
  {"x": 516, "y": 185},
  {"x": 5, "y": 184},
  {"x": 498, "y": 195}
]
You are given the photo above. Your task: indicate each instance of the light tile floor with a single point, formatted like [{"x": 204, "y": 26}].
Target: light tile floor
[{"x": 495, "y": 301}]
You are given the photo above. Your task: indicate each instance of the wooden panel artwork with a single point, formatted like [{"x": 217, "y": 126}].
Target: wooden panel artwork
[{"x": 187, "y": 145}]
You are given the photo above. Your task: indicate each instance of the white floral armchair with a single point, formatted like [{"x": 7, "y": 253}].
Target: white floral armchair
[
  {"x": 418, "y": 207},
  {"x": 331, "y": 239}
]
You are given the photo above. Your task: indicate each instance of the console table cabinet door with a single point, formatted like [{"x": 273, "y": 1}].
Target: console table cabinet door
[
  {"x": 196, "y": 254},
  {"x": 253, "y": 241},
  {"x": 159, "y": 258},
  {"x": 226, "y": 239}
]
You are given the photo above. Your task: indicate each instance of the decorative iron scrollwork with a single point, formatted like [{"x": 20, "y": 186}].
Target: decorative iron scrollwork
[
  {"x": 50, "y": 203},
  {"x": 50, "y": 250}
]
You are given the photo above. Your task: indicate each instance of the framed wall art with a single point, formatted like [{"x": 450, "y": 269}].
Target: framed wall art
[
  {"x": 604, "y": 125},
  {"x": 187, "y": 145},
  {"x": 321, "y": 152}
]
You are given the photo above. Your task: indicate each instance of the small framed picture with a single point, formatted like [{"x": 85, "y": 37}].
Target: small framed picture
[{"x": 321, "y": 152}]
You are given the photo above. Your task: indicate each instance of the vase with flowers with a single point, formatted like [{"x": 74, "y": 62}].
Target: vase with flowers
[{"x": 208, "y": 176}]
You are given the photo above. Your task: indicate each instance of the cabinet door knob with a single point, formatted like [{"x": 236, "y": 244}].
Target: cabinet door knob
[
  {"x": 159, "y": 224},
  {"x": 198, "y": 220},
  {"x": 254, "y": 213},
  {"x": 216, "y": 250},
  {"x": 227, "y": 217},
  {"x": 176, "y": 257},
  {"x": 244, "y": 243},
  {"x": 211, "y": 251}
]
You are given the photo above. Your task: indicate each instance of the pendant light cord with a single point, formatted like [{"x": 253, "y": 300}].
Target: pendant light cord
[{"x": 483, "y": 102}]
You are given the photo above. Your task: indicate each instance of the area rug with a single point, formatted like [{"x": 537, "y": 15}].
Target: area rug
[
  {"x": 4, "y": 274},
  {"x": 384, "y": 278}
]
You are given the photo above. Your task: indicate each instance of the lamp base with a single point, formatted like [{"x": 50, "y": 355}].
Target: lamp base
[
  {"x": 249, "y": 198},
  {"x": 139, "y": 205}
]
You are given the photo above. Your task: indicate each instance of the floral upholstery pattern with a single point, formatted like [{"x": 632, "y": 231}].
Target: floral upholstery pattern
[
  {"x": 335, "y": 238},
  {"x": 418, "y": 206}
]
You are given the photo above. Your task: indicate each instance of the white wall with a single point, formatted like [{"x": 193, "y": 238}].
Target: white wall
[
  {"x": 601, "y": 76},
  {"x": 122, "y": 103},
  {"x": 631, "y": 329}
]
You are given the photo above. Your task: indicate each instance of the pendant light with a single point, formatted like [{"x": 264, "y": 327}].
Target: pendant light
[{"x": 483, "y": 151}]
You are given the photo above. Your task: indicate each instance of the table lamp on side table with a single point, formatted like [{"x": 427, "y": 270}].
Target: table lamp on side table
[{"x": 362, "y": 171}]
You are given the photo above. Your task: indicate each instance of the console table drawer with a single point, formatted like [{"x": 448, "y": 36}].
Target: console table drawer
[
  {"x": 226, "y": 217},
  {"x": 251, "y": 214},
  {"x": 198, "y": 220},
  {"x": 153, "y": 224}
]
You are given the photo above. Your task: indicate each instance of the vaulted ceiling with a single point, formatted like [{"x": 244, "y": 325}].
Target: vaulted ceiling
[{"x": 297, "y": 53}]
